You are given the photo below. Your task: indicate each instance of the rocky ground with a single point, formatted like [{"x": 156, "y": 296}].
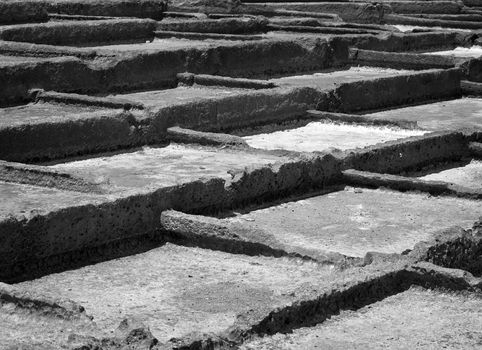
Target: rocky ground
[{"x": 240, "y": 175}]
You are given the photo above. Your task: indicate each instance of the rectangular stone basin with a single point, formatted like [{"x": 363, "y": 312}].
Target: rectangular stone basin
[
  {"x": 443, "y": 115},
  {"x": 156, "y": 167},
  {"x": 472, "y": 52},
  {"x": 354, "y": 222},
  {"x": 416, "y": 319},
  {"x": 320, "y": 81},
  {"x": 319, "y": 136},
  {"x": 177, "y": 290},
  {"x": 469, "y": 175}
]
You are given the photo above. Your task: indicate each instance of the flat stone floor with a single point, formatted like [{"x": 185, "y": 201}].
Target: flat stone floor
[
  {"x": 353, "y": 223},
  {"x": 23, "y": 329},
  {"x": 319, "y": 136},
  {"x": 6, "y": 60},
  {"x": 443, "y": 115},
  {"x": 37, "y": 113},
  {"x": 28, "y": 201},
  {"x": 330, "y": 80},
  {"x": 176, "y": 290},
  {"x": 182, "y": 95},
  {"x": 415, "y": 319},
  {"x": 156, "y": 167},
  {"x": 467, "y": 176}
]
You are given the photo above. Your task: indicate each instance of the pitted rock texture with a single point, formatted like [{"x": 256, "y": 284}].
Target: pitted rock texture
[{"x": 115, "y": 237}]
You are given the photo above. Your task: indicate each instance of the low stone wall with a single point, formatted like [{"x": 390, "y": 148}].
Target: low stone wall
[
  {"x": 51, "y": 140},
  {"x": 23, "y": 11},
  {"x": 454, "y": 248},
  {"x": 181, "y": 135},
  {"x": 471, "y": 88},
  {"x": 387, "y": 92},
  {"x": 360, "y": 12},
  {"x": 396, "y": 156},
  {"x": 402, "y": 183},
  {"x": 60, "y": 74},
  {"x": 266, "y": 58},
  {"x": 115, "y": 8},
  {"x": 206, "y": 6},
  {"x": 473, "y": 70},
  {"x": 221, "y": 26},
  {"x": 15, "y": 48},
  {"x": 424, "y": 6},
  {"x": 190, "y": 79},
  {"x": 233, "y": 112},
  {"x": 80, "y": 32},
  {"x": 402, "y": 42},
  {"x": 400, "y": 60}
]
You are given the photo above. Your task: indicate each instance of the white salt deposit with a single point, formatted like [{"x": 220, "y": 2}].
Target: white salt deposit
[
  {"x": 474, "y": 51},
  {"x": 319, "y": 136}
]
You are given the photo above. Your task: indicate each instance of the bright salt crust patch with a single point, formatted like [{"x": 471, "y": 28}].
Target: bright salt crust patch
[
  {"x": 408, "y": 28},
  {"x": 317, "y": 136},
  {"x": 474, "y": 51}
]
